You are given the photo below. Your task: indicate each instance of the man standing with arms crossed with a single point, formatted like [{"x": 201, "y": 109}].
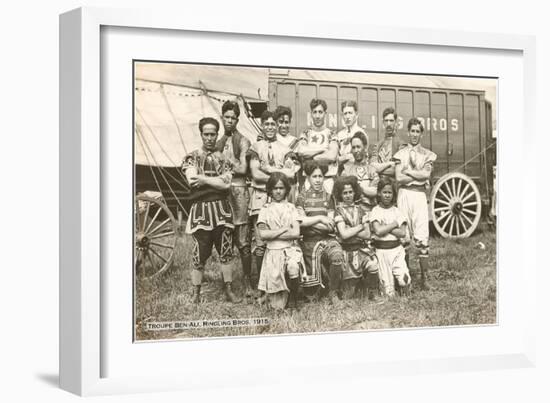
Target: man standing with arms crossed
[
  {"x": 319, "y": 143},
  {"x": 382, "y": 157},
  {"x": 210, "y": 221},
  {"x": 234, "y": 146},
  {"x": 413, "y": 176}
]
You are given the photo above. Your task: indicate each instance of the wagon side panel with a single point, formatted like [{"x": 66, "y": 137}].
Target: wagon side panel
[
  {"x": 491, "y": 154},
  {"x": 285, "y": 94},
  {"x": 329, "y": 92},
  {"x": 472, "y": 135},
  {"x": 306, "y": 92},
  {"x": 457, "y": 143},
  {"x": 368, "y": 112}
]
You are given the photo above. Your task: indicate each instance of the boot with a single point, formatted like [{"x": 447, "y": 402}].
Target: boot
[
  {"x": 247, "y": 287},
  {"x": 373, "y": 296},
  {"x": 372, "y": 283},
  {"x": 262, "y": 298},
  {"x": 246, "y": 261},
  {"x": 335, "y": 299},
  {"x": 229, "y": 294},
  {"x": 196, "y": 280},
  {"x": 424, "y": 274},
  {"x": 196, "y": 298},
  {"x": 405, "y": 290},
  {"x": 293, "y": 285},
  {"x": 335, "y": 279}
]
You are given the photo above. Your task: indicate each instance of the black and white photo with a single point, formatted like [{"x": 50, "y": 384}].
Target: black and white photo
[{"x": 275, "y": 200}]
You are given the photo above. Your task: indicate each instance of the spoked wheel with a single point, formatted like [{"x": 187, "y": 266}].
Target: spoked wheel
[
  {"x": 155, "y": 239},
  {"x": 455, "y": 203}
]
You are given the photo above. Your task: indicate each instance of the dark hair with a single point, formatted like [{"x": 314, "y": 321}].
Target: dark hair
[
  {"x": 383, "y": 182},
  {"x": 274, "y": 178},
  {"x": 387, "y": 111},
  {"x": 266, "y": 115},
  {"x": 353, "y": 104},
  {"x": 208, "y": 121},
  {"x": 341, "y": 182},
  {"x": 311, "y": 165},
  {"x": 361, "y": 136},
  {"x": 231, "y": 106},
  {"x": 282, "y": 111},
  {"x": 315, "y": 102},
  {"x": 415, "y": 121}
]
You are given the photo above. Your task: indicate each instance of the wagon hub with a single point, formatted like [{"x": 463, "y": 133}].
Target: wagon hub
[
  {"x": 457, "y": 208},
  {"x": 142, "y": 241}
]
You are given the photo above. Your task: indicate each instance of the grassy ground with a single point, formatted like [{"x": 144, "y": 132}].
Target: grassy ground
[{"x": 463, "y": 281}]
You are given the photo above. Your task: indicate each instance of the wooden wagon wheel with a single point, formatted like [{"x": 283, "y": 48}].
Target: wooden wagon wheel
[
  {"x": 155, "y": 238},
  {"x": 455, "y": 204}
]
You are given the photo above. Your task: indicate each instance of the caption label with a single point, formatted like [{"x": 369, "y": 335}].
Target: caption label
[{"x": 204, "y": 324}]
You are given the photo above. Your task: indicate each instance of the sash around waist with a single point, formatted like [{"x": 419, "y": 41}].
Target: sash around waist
[
  {"x": 416, "y": 188},
  {"x": 378, "y": 244}
]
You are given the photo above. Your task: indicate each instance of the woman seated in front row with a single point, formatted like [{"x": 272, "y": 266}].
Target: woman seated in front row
[{"x": 360, "y": 268}]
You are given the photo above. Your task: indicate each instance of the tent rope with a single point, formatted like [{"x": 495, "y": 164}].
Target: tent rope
[
  {"x": 209, "y": 98},
  {"x": 484, "y": 151},
  {"x": 139, "y": 135},
  {"x": 156, "y": 162},
  {"x": 161, "y": 170},
  {"x": 168, "y": 106},
  {"x": 156, "y": 139},
  {"x": 145, "y": 80}
]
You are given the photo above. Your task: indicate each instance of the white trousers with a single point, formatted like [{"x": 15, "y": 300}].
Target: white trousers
[
  {"x": 414, "y": 206},
  {"x": 392, "y": 265}
]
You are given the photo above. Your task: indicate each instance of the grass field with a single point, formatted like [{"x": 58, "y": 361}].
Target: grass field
[{"x": 463, "y": 292}]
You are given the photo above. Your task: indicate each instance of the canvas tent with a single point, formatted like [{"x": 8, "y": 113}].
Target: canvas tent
[{"x": 170, "y": 99}]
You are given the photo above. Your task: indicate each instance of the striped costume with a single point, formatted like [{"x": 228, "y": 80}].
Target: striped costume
[
  {"x": 359, "y": 258},
  {"x": 322, "y": 138},
  {"x": 322, "y": 252}
]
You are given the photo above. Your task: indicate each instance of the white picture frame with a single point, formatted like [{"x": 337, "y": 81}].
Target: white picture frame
[{"x": 84, "y": 348}]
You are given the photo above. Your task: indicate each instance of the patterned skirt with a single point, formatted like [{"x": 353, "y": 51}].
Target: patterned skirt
[
  {"x": 276, "y": 264},
  {"x": 313, "y": 252},
  {"x": 358, "y": 262},
  {"x": 207, "y": 215}
]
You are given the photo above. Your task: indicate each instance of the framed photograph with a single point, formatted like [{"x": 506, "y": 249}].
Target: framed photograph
[{"x": 236, "y": 202}]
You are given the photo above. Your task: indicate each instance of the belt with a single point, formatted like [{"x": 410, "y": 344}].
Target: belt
[
  {"x": 416, "y": 188},
  {"x": 352, "y": 246},
  {"x": 378, "y": 244}
]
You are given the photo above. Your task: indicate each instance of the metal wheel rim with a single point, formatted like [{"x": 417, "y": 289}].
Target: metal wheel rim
[{"x": 455, "y": 204}]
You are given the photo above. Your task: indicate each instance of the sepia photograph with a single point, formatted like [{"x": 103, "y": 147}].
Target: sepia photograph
[{"x": 271, "y": 200}]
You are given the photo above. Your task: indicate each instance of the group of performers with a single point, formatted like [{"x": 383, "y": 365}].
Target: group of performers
[{"x": 312, "y": 215}]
